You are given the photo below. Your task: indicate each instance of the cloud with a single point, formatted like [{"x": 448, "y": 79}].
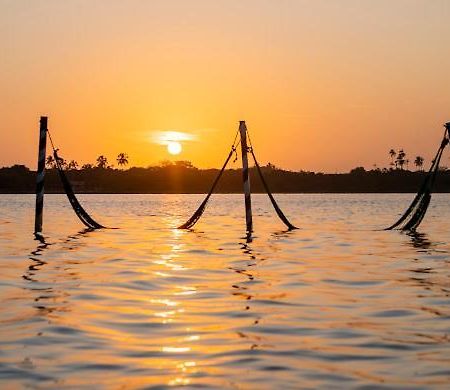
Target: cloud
[{"x": 164, "y": 137}]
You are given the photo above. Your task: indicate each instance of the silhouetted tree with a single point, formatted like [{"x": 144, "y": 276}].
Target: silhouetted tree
[
  {"x": 102, "y": 161},
  {"x": 400, "y": 160},
  {"x": 271, "y": 166},
  {"x": 183, "y": 164},
  {"x": 358, "y": 171},
  {"x": 165, "y": 163},
  {"x": 122, "y": 159},
  {"x": 72, "y": 164},
  {"x": 18, "y": 168},
  {"x": 87, "y": 166},
  {"x": 418, "y": 162},
  {"x": 392, "y": 153},
  {"x": 62, "y": 163},
  {"x": 50, "y": 162}
]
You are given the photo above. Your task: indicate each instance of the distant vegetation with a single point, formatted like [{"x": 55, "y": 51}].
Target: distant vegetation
[{"x": 183, "y": 177}]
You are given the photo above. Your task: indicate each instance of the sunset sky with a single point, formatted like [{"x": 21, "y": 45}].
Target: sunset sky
[{"x": 323, "y": 85}]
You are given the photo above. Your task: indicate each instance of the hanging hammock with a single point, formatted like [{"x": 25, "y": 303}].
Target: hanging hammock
[
  {"x": 272, "y": 199},
  {"x": 79, "y": 210},
  {"x": 415, "y": 213},
  {"x": 81, "y": 213},
  {"x": 196, "y": 216}
]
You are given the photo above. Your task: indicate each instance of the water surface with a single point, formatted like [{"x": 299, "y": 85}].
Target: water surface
[{"x": 336, "y": 304}]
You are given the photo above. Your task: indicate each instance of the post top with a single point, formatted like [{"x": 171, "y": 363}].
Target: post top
[{"x": 447, "y": 126}]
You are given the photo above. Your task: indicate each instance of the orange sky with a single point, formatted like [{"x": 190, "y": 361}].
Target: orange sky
[{"x": 323, "y": 85}]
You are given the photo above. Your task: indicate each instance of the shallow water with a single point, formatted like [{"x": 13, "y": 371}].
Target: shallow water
[{"x": 335, "y": 304}]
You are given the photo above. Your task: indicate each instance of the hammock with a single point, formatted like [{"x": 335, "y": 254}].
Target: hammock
[
  {"x": 79, "y": 210},
  {"x": 415, "y": 213},
  {"x": 272, "y": 199},
  {"x": 196, "y": 216}
]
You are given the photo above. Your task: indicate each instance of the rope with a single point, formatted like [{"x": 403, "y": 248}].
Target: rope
[
  {"x": 81, "y": 213},
  {"x": 51, "y": 140},
  {"x": 272, "y": 199},
  {"x": 416, "y": 211},
  {"x": 280, "y": 213},
  {"x": 201, "y": 209}
]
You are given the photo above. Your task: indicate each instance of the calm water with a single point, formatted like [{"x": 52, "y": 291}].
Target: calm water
[{"x": 333, "y": 305}]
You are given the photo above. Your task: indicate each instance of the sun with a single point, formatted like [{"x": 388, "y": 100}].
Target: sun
[{"x": 174, "y": 147}]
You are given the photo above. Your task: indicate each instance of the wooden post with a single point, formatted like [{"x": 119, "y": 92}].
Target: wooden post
[
  {"x": 246, "y": 177},
  {"x": 40, "y": 175}
]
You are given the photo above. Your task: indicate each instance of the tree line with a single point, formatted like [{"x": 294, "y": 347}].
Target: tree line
[
  {"x": 183, "y": 177},
  {"x": 101, "y": 162},
  {"x": 399, "y": 160}
]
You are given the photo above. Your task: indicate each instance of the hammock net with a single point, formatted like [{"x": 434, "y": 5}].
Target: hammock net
[{"x": 416, "y": 211}]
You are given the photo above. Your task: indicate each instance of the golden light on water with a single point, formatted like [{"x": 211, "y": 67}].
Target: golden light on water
[
  {"x": 199, "y": 308},
  {"x": 148, "y": 305},
  {"x": 175, "y": 349}
]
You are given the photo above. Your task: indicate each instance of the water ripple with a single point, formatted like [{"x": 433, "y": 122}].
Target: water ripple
[{"x": 335, "y": 304}]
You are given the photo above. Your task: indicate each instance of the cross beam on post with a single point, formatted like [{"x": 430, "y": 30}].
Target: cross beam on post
[
  {"x": 246, "y": 177},
  {"x": 40, "y": 175}
]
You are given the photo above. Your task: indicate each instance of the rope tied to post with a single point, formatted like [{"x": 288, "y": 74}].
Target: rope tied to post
[
  {"x": 81, "y": 213},
  {"x": 416, "y": 211},
  {"x": 246, "y": 149},
  {"x": 201, "y": 209},
  {"x": 277, "y": 208}
]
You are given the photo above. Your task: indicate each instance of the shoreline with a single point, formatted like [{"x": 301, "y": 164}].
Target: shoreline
[{"x": 222, "y": 193}]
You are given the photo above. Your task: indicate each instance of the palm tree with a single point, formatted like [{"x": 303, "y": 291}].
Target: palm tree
[
  {"x": 102, "y": 161},
  {"x": 392, "y": 153},
  {"x": 122, "y": 159},
  {"x": 400, "y": 161},
  {"x": 418, "y": 162},
  {"x": 72, "y": 164}
]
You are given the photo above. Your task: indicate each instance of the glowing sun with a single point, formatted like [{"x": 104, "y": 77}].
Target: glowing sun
[
  {"x": 171, "y": 139},
  {"x": 174, "y": 147}
]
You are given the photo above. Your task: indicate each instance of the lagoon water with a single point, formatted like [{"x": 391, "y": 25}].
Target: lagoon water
[{"x": 335, "y": 304}]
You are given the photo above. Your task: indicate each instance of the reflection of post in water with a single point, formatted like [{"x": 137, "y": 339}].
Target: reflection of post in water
[
  {"x": 37, "y": 263},
  {"x": 44, "y": 291},
  {"x": 245, "y": 271},
  {"x": 242, "y": 290}
]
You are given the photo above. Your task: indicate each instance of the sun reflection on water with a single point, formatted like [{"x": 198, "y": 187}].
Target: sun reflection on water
[{"x": 158, "y": 306}]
